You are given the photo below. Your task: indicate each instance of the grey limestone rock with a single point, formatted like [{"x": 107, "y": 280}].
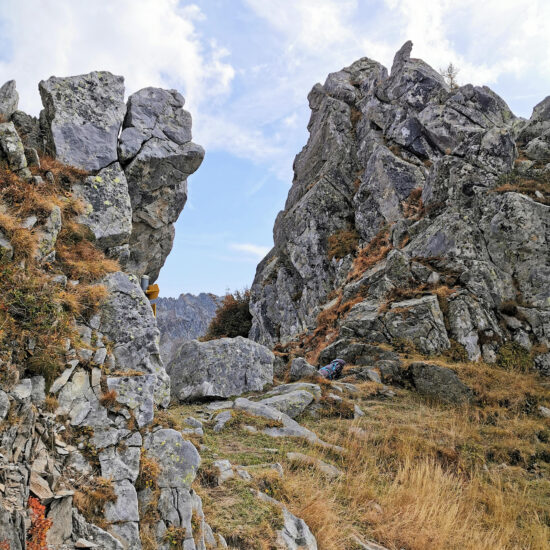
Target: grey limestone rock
[
  {"x": 107, "y": 206},
  {"x": 292, "y": 403},
  {"x": 83, "y": 115},
  {"x": 12, "y": 150},
  {"x": 300, "y": 368},
  {"x": 158, "y": 155},
  {"x": 178, "y": 459},
  {"x": 137, "y": 393},
  {"x": 406, "y": 156},
  {"x": 4, "y": 405},
  {"x": 439, "y": 382},
  {"x": 127, "y": 319},
  {"x": 295, "y": 534},
  {"x": 219, "y": 368},
  {"x": 9, "y": 99}
]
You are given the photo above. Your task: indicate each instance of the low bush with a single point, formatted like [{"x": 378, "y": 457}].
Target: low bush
[
  {"x": 342, "y": 243},
  {"x": 232, "y": 318}
]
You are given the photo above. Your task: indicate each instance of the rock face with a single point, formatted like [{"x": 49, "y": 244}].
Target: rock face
[
  {"x": 184, "y": 318},
  {"x": 219, "y": 368},
  {"x": 138, "y": 185},
  {"x": 409, "y": 205},
  {"x": 83, "y": 116},
  {"x": 114, "y": 379},
  {"x": 158, "y": 155},
  {"x": 9, "y": 99}
]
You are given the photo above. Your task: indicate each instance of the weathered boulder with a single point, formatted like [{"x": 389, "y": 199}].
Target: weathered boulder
[
  {"x": 219, "y": 368},
  {"x": 300, "y": 368},
  {"x": 158, "y": 155},
  {"x": 127, "y": 319},
  {"x": 439, "y": 383},
  {"x": 12, "y": 150},
  {"x": 292, "y": 403},
  {"x": 83, "y": 115},
  {"x": 9, "y": 99},
  {"x": 107, "y": 206},
  {"x": 178, "y": 459}
]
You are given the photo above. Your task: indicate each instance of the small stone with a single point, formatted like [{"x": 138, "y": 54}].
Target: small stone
[
  {"x": 221, "y": 420},
  {"x": 22, "y": 390},
  {"x": 225, "y": 471},
  {"x": 544, "y": 411},
  {"x": 39, "y": 487}
]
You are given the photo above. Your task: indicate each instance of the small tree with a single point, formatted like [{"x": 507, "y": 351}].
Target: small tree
[
  {"x": 232, "y": 317},
  {"x": 450, "y": 74}
]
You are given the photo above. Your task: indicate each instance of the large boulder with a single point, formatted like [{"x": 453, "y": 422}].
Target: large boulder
[
  {"x": 83, "y": 115},
  {"x": 439, "y": 383},
  {"x": 219, "y": 368},
  {"x": 127, "y": 320},
  {"x": 158, "y": 155},
  {"x": 292, "y": 403},
  {"x": 9, "y": 99}
]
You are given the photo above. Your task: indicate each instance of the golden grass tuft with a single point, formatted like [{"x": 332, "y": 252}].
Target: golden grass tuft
[
  {"x": 342, "y": 243},
  {"x": 370, "y": 255},
  {"x": 90, "y": 500}
]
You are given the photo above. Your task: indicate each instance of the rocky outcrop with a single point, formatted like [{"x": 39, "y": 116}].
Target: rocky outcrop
[
  {"x": 138, "y": 182},
  {"x": 158, "y": 155},
  {"x": 82, "y": 115},
  {"x": 410, "y": 205},
  {"x": 182, "y": 319},
  {"x": 9, "y": 99},
  {"x": 92, "y": 422},
  {"x": 219, "y": 368}
]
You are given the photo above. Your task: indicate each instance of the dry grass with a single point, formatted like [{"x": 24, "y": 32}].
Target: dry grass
[
  {"x": 425, "y": 476},
  {"x": 32, "y": 307},
  {"x": 109, "y": 399},
  {"x": 370, "y": 255},
  {"x": 415, "y": 474},
  {"x": 342, "y": 243},
  {"x": 90, "y": 500},
  {"x": 536, "y": 187},
  {"x": 412, "y": 207}
]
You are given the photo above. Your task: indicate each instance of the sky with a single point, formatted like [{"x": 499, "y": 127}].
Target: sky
[{"x": 245, "y": 68}]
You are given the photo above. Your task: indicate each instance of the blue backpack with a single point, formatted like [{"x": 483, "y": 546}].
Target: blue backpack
[{"x": 333, "y": 370}]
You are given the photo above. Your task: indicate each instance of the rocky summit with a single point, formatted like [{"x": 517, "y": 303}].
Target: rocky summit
[
  {"x": 417, "y": 212},
  {"x": 413, "y": 246}
]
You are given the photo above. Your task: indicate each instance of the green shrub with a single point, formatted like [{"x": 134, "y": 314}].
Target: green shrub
[
  {"x": 512, "y": 356},
  {"x": 232, "y": 318}
]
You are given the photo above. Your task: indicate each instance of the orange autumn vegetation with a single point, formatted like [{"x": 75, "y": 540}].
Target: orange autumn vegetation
[{"x": 40, "y": 525}]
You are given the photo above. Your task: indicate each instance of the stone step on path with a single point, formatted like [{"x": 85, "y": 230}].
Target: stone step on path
[
  {"x": 290, "y": 428},
  {"x": 330, "y": 471}
]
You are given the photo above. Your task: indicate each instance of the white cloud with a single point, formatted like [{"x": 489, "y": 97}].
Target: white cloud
[
  {"x": 253, "y": 251},
  {"x": 150, "y": 42}
]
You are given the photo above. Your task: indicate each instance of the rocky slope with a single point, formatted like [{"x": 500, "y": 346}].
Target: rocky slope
[
  {"x": 417, "y": 213},
  {"x": 184, "y": 318},
  {"x": 81, "y": 373}
]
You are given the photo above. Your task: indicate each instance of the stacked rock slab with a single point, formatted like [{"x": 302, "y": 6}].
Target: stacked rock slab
[
  {"x": 117, "y": 351},
  {"x": 403, "y": 157},
  {"x": 138, "y": 182}
]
